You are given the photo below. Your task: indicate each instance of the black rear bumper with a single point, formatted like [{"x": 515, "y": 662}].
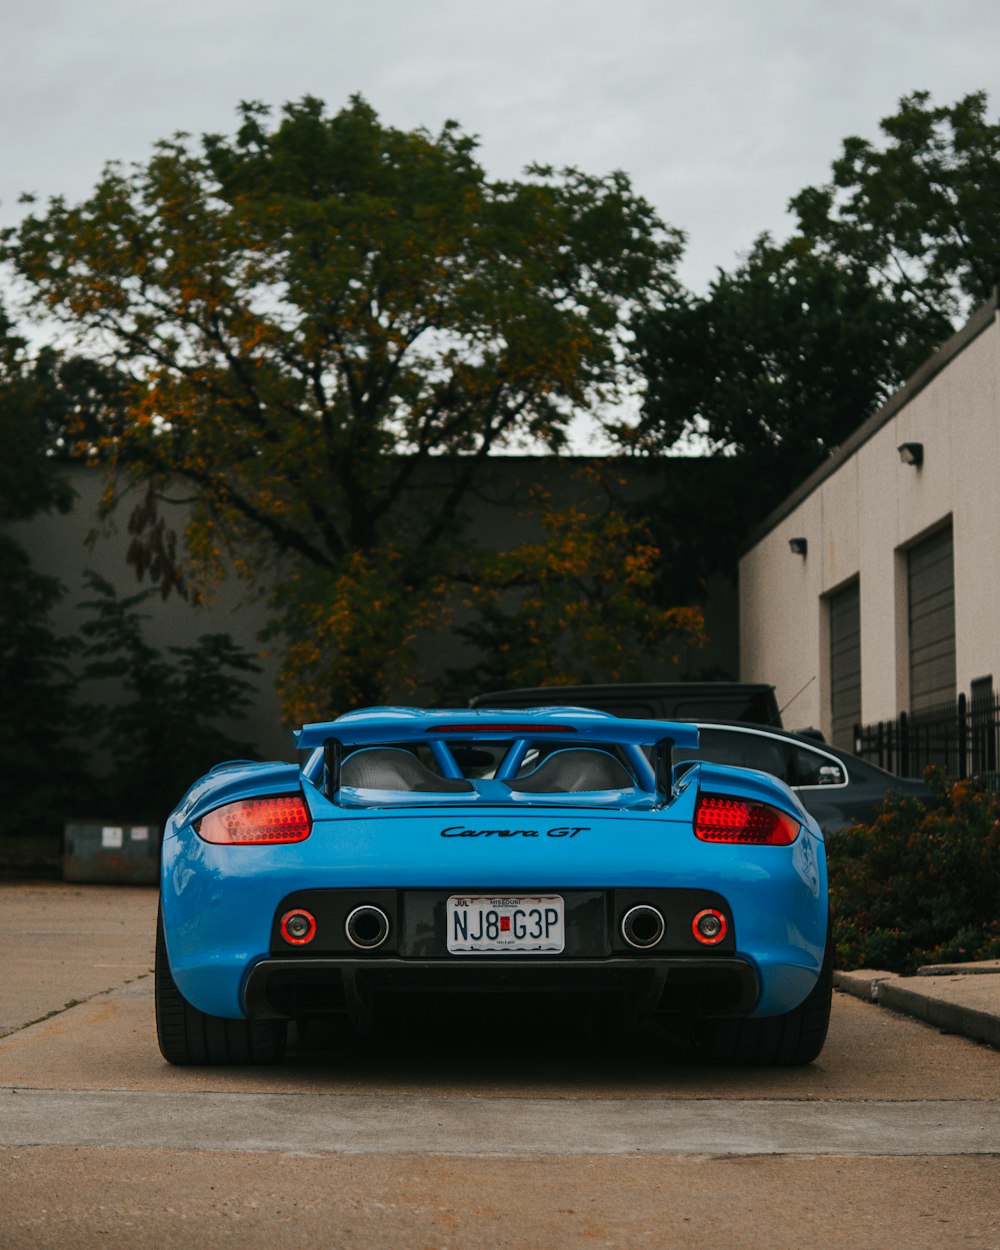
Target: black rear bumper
[{"x": 289, "y": 988}]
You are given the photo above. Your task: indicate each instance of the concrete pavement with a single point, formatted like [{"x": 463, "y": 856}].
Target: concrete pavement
[
  {"x": 42, "y": 924},
  {"x": 486, "y": 1143}
]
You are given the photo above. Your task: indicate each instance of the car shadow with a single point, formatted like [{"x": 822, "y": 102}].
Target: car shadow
[{"x": 545, "y": 1048}]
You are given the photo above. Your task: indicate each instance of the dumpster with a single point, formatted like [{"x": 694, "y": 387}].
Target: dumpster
[{"x": 108, "y": 852}]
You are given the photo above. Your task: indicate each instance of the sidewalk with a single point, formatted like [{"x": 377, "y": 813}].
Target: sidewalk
[{"x": 956, "y": 998}]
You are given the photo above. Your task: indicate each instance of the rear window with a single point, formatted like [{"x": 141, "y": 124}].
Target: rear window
[
  {"x": 742, "y": 750},
  {"x": 813, "y": 768}
]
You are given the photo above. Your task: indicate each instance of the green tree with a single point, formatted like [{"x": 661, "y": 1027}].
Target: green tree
[
  {"x": 39, "y": 770},
  {"x": 164, "y": 732},
  {"x": 921, "y": 213},
  {"x": 776, "y": 365},
  {"x": 30, "y": 405},
  {"x": 790, "y": 351},
  {"x": 311, "y": 312},
  {"x": 574, "y": 607}
]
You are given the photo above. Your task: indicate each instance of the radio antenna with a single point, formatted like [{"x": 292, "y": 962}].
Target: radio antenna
[{"x": 781, "y": 711}]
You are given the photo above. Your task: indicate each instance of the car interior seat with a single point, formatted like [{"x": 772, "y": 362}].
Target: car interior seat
[
  {"x": 574, "y": 769},
  {"x": 393, "y": 768}
]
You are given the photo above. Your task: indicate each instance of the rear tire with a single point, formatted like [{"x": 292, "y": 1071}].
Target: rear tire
[
  {"x": 189, "y": 1036},
  {"x": 788, "y": 1040}
]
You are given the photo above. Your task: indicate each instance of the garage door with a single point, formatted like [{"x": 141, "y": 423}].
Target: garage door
[
  {"x": 845, "y": 664},
  {"x": 931, "y": 568}
]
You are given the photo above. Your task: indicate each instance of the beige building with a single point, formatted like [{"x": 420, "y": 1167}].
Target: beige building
[{"x": 875, "y": 588}]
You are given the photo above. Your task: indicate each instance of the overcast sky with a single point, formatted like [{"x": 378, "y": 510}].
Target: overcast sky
[{"x": 719, "y": 110}]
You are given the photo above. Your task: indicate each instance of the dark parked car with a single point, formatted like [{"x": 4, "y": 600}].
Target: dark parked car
[
  {"x": 656, "y": 700},
  {"x": 739, "y": 725},
  {"x": 836, "y": 787}
]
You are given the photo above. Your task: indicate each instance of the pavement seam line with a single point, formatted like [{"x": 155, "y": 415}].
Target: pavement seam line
[
  {"x": 74, "y": 1002},
  {"x": 356, "y": 1125}
]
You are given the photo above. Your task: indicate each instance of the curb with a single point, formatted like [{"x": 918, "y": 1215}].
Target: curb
[
  {"x": 983, "y": 967},
  {"x": 951, "y": 1017},
  {"x": 863, "y": 983},
  {"x": 887, "y": 989}
]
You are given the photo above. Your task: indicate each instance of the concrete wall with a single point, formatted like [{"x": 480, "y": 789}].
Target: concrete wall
[
  {"x": 859, "y": 515},
  {"x": 58, "y": 546}
]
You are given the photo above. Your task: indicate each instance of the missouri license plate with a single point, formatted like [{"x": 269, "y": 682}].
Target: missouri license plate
[{"x": 526, "y": 924}]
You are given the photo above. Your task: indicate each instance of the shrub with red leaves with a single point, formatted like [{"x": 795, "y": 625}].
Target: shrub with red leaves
[{"x": 922, "y": 884}]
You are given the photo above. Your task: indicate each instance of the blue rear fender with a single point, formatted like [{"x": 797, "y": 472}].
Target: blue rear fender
[{"x": 778, "y": 894}]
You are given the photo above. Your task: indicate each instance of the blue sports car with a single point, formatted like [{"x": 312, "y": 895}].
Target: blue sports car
[{"x": 443, "y": 853}]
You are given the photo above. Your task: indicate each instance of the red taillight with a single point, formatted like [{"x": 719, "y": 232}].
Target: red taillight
[
  {"x": 719, "y": 818},
  {"x": 280, "y": 818},
  {"x": 709, "y": 926},
  {"x": 298, "y": 927}
]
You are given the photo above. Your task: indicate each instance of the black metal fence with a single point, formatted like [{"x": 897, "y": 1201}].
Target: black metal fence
[{"x": 963, "y": 739}]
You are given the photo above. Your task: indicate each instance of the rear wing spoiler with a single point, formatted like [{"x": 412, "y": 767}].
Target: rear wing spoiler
[
  {"x": 382, "y": 725},
  {"x": 580, "y": 726}
]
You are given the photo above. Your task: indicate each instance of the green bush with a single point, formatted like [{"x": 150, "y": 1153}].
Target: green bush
[
  {"x": 166, "y": 729},
  {"x": 922, "y": 884},
  {"x": 42, "y": 771}
]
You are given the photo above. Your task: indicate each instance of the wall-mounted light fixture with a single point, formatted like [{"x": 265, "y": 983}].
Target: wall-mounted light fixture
[
  {"x": 911, "y": 453},
  {"x": 798, "y": 546}
]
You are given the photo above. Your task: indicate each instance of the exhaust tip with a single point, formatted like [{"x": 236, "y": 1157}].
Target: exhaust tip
[
  {"x": 367, "y": 927},
  {"x": 643, "y": 926}
]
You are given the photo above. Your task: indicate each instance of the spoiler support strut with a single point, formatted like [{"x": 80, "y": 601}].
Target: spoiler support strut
[
  {"x": 665, "y": 766},
  {"x": 332, "y": 753}
]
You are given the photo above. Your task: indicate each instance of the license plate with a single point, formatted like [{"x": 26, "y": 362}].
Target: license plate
[{"x": 528, "y": 924}]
